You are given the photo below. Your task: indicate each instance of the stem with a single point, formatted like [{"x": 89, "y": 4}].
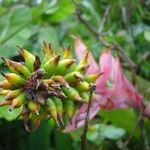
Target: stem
[{"x": 83, "y": 136}]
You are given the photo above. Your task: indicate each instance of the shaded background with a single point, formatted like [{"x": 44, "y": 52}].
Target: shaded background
[{"x": 30, "y": 22}]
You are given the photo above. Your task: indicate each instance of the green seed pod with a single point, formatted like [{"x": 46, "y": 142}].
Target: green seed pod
[
  {"x": 67, "y": 53},
  {"x": 68, "y": 108},
  {"x": 34, "y": 107},
  {"x": 28, "y": 57},
  {"x": 73, "y": 77},
  {"x": 13, "y": 94},
  {"x": 18, "y": 102},
  {"x": 72, "y": 94},
  {"x": 53, "y": 87},
  {"x": 92, "y": 77},
  {"x": 52, "y": 110},
  {"x": 4, "y": 92},
  {"x": 14, "y": 79},
  {"x": 59, "y": 107},
  {"x": 63, "y": 65},
  {"x": 51, "y": 65},
  {"x": 82, "y": 86},
  {"x": 17, "y": 68},
  {"x": 85, "y": 96}
]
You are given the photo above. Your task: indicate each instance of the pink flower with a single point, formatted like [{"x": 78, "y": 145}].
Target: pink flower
[
  {"x": 113, "y": 84},
  {"x": 113, "y": 89}
]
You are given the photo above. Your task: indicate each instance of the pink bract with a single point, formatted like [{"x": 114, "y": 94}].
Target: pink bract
[{"x": 113, "y": 89}]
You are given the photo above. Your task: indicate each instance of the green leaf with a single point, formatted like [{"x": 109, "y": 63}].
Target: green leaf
[
  {"x": 16, "y": 30},
  {"x": 60, "y": 11},
  {"x": 102, "y": 131},
  {"x": 122, "y": 118}
]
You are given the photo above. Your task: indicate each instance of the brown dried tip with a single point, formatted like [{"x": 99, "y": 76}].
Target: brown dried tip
[
  {"x": 61, "y": 95},
  {"x": 72, "y": 61},
  {"x": 3, "y": 74},
  {"x": 61, "y": 80},
  {"x": 20, "y": 49},
  {"x": 79, "y": 76},
  {"x": 37, "y": 63},
  {"x": 57, "y": 58},
  {"x": 3, "y": 59}
]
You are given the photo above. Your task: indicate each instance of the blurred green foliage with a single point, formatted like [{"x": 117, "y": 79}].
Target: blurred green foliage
[{"x": 30, "y": 22}]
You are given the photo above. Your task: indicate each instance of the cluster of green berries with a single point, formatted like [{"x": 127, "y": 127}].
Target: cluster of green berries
[{"x": 53, "y": 87}]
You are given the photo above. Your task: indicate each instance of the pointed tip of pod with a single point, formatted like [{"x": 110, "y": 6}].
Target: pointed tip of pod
[
  {"x": 61, "y": 95},
  {"x": 96, "y": 76},
  {"x": 82, "y": 67},
  {"x": 21, "y": 50},
  {"x": 78, "y": 76},
  {"x": 56, "y": 59},
  {"x": 5, "y": 102},
  {"x": 3, "y": 59},
  {"x": 3, "y": 74},
  {"x": 70, "y": 62},
  {"x": 78, "y": 98},
  {"x": 85, "y": 58},
  {"x": 47, "y": 49},
  {"x": 92, "y": 77},
  {"x": 67, "y": 52},
  {"x": 61, "y": 122}
]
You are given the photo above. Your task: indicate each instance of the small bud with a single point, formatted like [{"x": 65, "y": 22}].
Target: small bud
[
  {"x": 51, "y": 65},
  {"x": 68, "y": 108},
  {"x": 18, "y": 102},
  {"x": 92, "y": 77},
  {"x": 72, "y": 94},
  {"x": 83, "y": 86},
  {"x": 17, "y": 68},
  {"x": 73, "y": 77},
  {"x": 34, "y": 107},
  {"x": 63, "y": 65},
  {"x": 14, "y": 79},
  {"x": 52, "y": 110},
  {"x": 48, "y": 49},
  {"x": 28, "y": 57}
]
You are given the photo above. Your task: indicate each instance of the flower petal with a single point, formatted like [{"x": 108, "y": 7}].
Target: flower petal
[{"x": 80, "y": 50}]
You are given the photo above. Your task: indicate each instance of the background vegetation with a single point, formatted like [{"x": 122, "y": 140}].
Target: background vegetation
[{"x": 30, "y": 22}]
